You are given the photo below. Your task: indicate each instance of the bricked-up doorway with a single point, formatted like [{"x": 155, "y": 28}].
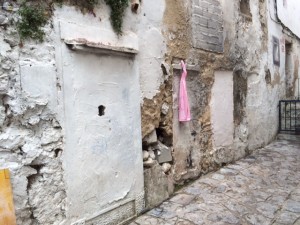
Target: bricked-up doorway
[
  {"x": 289, "y": 78},
  {"x": 103, "y": 150}
]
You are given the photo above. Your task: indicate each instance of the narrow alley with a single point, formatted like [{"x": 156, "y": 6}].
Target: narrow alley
[
  {"x": 262, "y": 189},
  {"x": 149, "y": 112}
]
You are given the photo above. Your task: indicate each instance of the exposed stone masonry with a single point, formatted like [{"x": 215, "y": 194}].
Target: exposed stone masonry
[
  {"x": 31, "y": 136},
  {"x": 207, "y": 25}
]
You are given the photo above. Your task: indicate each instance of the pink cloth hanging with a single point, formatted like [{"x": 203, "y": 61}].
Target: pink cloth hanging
[{"x": 184, "y": 107}]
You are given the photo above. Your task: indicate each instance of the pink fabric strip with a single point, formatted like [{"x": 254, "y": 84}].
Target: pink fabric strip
[{"x": 184, "y": 107}]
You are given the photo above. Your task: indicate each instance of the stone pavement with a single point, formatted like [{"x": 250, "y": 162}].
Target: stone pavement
[{"x": 263, "y": 188}]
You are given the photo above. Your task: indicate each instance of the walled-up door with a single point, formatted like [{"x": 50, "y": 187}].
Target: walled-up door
[{"x": 102, "y": 158}]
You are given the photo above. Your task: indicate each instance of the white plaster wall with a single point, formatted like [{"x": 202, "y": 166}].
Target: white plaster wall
[
  {"x": 288, "y": 13},
  {"x": 222, "y": 109},
  {"x": 102, "y": 154},
  {"x": 147, "y": 24},
  {"x": 102, "y": 160},
  {"x": 260, "y": 125},
  {"x": 33, "y": 117},
  {"x": 33, "y": 84},
  {"x": 263, "y": 98},
  {"x": 228, "y": 17},
  {"x": 38, "y": 81},
  {"x": 152, "y": 45}
]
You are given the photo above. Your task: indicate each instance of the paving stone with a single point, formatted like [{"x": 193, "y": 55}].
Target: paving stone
[
  {"x": 198, "y": 190},
  {"x": 196, "y": 217},
  {"x": 228, "y": 171},
  {"x": 234, "y": 206},
  {"x": 169, "y": 210},
  {"x": 225, "y": 217},
  {"x": 221, "y": 188},
  {"x": 182, "y": 199},
  {"x": 263, "y": 189},
  {"x": 261, "y": 195},
  {"x": 295, "y": 197},
  {"x": 217, "y": 176},
  {"x": 287, "y": 218},
  {"x": 293, "y": 206},
  {"x": 209, "y": 181},
  {"x": 267, "y": 209},
  {"x": 147, "y": 220},
  {"x": 277, "y": 200},
  {"x": 193, "y": 190},
  {"x": 242, "y": 180},
  {"x": 256, "y": 219}
]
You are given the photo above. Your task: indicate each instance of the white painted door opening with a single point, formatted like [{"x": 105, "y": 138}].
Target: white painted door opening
[
  {"x": 222, "y": 109},
  {"x": 102, "y": 159}
]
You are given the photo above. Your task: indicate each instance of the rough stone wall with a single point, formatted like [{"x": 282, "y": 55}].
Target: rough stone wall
[
  {"x": 207, "y": 25},
  {"x": 256, "y": 91},
  {"x": 190, "y": 160},
  {"x": 31, "y": 136}
]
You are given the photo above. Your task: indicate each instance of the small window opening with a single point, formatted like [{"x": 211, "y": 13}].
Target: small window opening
[
  {"x": 101, "y": 110},
  {"x": 276, "y": 51},
  {"x": 289, "y": 77},
  {"x": 245, "y": 9}
]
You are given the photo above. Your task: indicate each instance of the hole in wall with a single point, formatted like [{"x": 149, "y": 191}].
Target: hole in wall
[
  {"x": 57, "y": 152},
  {"x": 245, "y": 9},
  {"x": 276, "y": 51},
  {"x": 32, "y": 178},
  {"x": 101, "y": 110},
  {"x": 268, "y": 76},
  {"x": 290, "y": 80},
  {"x": 164, "y": 138},
  {"x": 164, "y": 70},
  {"x": 134, "y": 7}
]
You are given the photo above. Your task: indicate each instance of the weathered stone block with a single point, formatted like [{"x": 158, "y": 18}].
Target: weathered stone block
[
  {"x": 3, "y": 20},
  {"x": 156, "y": 186},
  {"x": 149, "y": 162},
  {"x": 151, "y": 138},
  {"x": 164, "y": 155}
]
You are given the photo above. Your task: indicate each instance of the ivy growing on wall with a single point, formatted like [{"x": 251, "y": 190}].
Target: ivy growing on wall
[
  {"x": 35, "y": 14},
  {"x": 33, "y": 18},
  {"x": 117, "y": 12}
]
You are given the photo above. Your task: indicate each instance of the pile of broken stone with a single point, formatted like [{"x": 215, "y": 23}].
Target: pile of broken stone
[{"x": 155, "y": 152}]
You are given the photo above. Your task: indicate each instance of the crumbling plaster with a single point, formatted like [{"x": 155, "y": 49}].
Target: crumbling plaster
[
  {"x": 31, "y": 106},
  {"x": 31, "y": 117},
  {"x": 248, "y": 52},
  {"x": 31, "y": 136}
]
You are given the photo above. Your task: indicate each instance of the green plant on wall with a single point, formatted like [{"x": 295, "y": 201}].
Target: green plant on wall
[
  {"x": 118, "y": 8},
  {"x": 84, "y": 5},
  {"x": 33, "y": 18},
  {"x": 34, "y": 15}
]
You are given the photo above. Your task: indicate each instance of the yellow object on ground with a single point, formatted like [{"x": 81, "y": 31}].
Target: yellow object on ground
[{"x": 7, "y": 211}]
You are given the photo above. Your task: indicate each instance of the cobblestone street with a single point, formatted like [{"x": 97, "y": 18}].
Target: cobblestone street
[{"x": 262, "y": 189}]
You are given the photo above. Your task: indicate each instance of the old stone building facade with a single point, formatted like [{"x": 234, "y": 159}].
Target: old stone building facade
[{"x": 89, "y": 119}]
